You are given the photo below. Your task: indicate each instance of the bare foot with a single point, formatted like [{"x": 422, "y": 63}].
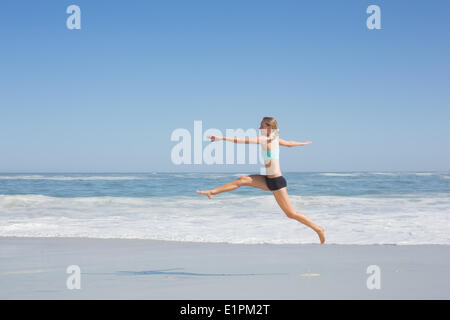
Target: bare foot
[
  {"x": 321, "y": 234},
  {"x": 207, "y": 193}
]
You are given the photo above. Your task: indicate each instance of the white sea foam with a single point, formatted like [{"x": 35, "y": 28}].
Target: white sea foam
[
  {"x": 389, "y": 174},
  {"x": 335, "y": 174},
  {"x": 233, "y": 219},
  {"x": 67, "y": 178}
]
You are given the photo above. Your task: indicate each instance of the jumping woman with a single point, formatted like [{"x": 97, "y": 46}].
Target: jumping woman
[{"x": 273, "y": 180}]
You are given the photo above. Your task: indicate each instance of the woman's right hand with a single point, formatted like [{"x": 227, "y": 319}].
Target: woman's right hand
[{"x": 213, "y": 138}]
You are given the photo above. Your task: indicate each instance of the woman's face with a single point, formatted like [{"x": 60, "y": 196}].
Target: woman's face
[{"x": 265, "y": 128}]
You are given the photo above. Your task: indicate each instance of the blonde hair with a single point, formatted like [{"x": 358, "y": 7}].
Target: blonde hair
[{"x": 272, "y": 123}]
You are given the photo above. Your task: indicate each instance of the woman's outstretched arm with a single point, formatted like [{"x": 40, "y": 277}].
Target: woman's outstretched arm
[
  {"x": 252, "y": 140},
  {"x": 293, "y": 143}
]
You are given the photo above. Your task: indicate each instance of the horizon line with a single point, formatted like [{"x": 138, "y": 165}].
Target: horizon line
[{"x": 238, "y": 171}]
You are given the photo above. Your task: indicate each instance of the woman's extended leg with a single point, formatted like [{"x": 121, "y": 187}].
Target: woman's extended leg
[
  {"x": 285, "y": 204},
  {"x": 254, "y": 180}
]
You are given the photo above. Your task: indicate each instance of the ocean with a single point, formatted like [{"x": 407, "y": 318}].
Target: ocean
[{"x": 355, "y": 207}]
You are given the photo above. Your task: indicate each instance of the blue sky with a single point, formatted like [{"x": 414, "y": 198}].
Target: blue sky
[{"x": 107, "y": 97}]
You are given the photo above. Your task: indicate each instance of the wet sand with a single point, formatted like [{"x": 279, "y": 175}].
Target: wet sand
[{"x": 36, "y": 268}]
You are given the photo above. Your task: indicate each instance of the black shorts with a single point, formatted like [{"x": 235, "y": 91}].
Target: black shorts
[{"x": 276, "y": 183}]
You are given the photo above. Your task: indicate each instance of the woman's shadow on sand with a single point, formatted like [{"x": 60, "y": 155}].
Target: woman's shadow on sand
[{"x": 171, "y": 272}]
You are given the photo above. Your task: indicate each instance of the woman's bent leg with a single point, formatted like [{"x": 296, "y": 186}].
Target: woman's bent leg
[
  {"x": 255, "y": 181},
  {"x": 285, "y": 204}
]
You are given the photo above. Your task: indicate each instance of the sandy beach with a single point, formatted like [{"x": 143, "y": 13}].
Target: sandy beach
[{"x": 35, "y": 268}]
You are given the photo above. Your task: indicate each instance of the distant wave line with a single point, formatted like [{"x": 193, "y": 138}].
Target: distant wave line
[{"x": 71, "y": 178}]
